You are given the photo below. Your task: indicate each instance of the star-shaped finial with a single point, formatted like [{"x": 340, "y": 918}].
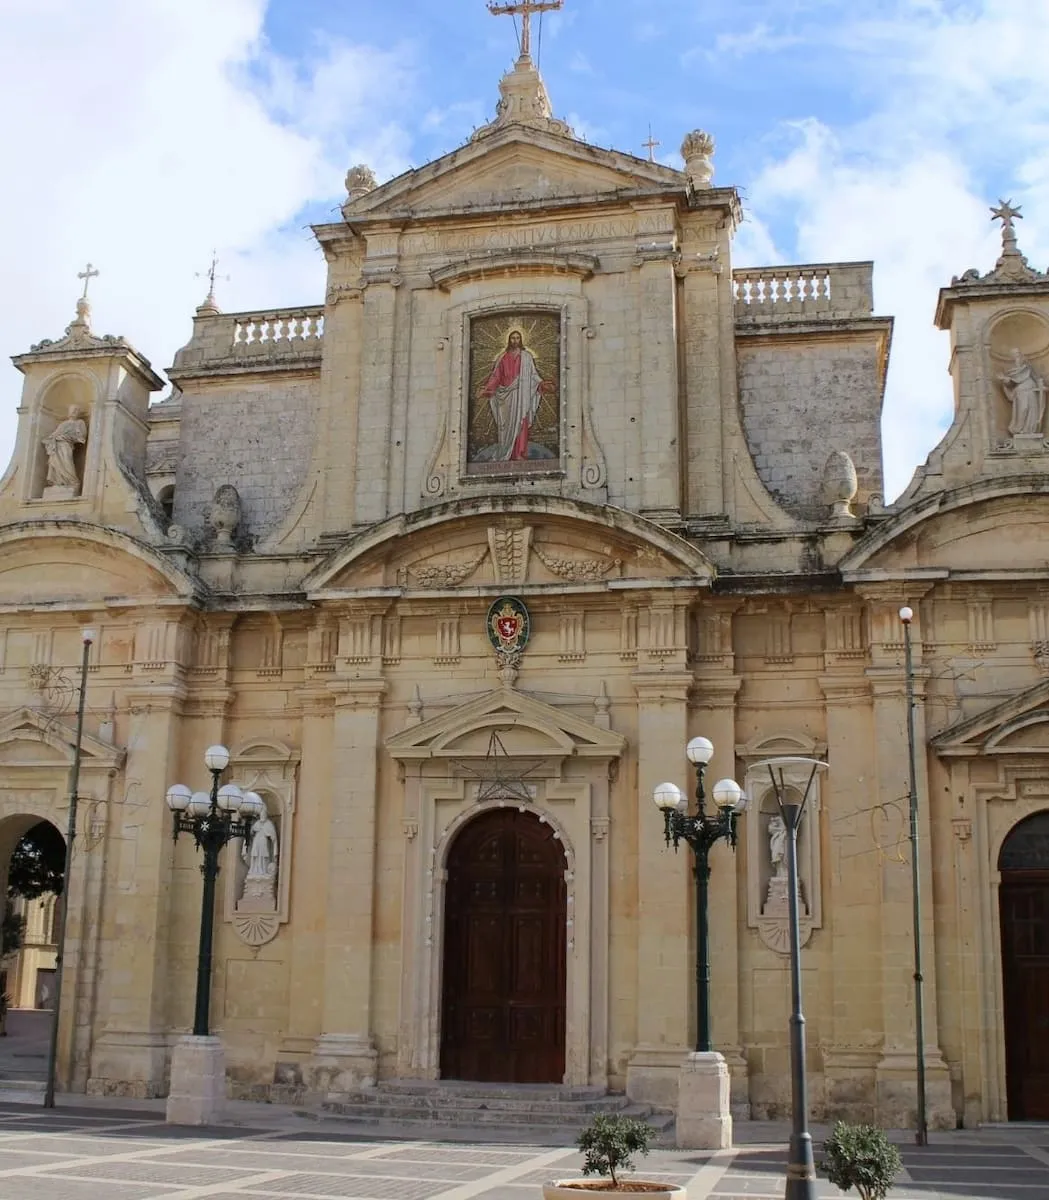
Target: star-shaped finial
[{"x": 1006, "y": 212}]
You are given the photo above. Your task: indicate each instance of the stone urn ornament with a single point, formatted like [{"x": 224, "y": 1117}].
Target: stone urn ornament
[
  {"x": 225, "y": 515},
  {"x": 609, "y": 1144},
  {"x": 840, "y": 484},
  {"x": 698, "y": 152}
]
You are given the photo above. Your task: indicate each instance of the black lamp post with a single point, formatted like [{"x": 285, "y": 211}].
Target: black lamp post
[
  {"x": 88, "y": 637},
  {"x": 922, "y": 1136},
  {"x": 801, "y": 1167},
  {"x": 701, "y": 830},
  {"x": 212, "y": 818}
]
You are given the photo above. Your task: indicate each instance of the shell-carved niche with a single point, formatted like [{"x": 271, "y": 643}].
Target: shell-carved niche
[
  {"x": 767, "y": 883},
  {"x": 1018, "y": 352},
  {"x": 259, "y": 867}
]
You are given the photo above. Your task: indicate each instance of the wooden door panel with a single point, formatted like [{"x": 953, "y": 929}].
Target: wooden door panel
[
  {"x": 1024, "y": 906},
  {"x": 503, "y": 1003}
]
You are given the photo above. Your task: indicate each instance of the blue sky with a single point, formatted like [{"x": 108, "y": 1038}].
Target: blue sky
[{"x": 149, "y": 131}]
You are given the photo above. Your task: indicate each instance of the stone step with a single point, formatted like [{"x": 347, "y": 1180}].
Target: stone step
[
  {"x": 465, "y": 1087},
  {"x": 422, "y": 1103},
  {"x": 460, "y": 1114}
]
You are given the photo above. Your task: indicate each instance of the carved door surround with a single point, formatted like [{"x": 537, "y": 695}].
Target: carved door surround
[
  {"x": 1012, "y": 740},
  {"x": 566, "y": 765}
]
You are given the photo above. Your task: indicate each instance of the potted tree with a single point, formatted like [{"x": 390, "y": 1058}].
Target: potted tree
[
  {"x": 861, "y": 1157},
  {"x": 609, "y": 1144}
]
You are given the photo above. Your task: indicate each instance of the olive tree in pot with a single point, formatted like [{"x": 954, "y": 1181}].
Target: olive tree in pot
[
  {"x": 861, "y": 1157},
  {"x": 609, "y": 1144}
]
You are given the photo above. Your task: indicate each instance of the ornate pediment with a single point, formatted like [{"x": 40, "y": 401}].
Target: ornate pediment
[
  {"x": 527, "y": 728},
  {"x": 72, "y": 562},
  {"x": 32, "y": 739},
  {"x": 514, "y": 165},
  {"x": 958, "y": 533},
  {"x": 569, "y": 547},
  {"x": 1016, "y": 726}
]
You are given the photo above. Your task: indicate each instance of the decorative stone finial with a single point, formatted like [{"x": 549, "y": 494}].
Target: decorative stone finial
[
  {"x": 1012, "y": 266},
  {"x": 225, "y": 515},
  {"x": 840, "y": 484},
  {"x": 523, "y": 100},
  {"x": 698, "y": 150},
  {"x": 360, "y": 180},
  {"x": 210, "y": 308}
]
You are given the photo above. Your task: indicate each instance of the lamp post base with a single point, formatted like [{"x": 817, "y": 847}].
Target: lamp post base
[
  {"x": 704, "y": 1118},
  {"x": 197, "y": 1095}
]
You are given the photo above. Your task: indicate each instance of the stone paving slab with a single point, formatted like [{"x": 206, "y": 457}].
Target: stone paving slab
[{"x": 91, "y": 1152}]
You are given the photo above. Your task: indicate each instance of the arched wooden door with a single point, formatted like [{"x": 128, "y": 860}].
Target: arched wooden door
[
  {"x": 1024, "y": 911},
  {"x": 503, "y": 992}
]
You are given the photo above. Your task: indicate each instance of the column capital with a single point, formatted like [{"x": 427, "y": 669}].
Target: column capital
[
  {"x": 357, "y": 693},
  {"x": 158, "y": 697},
  {"x": 847, "y": 689},
  {"x": 661, "y": 687},
  {"x": 715, "y": 691}
]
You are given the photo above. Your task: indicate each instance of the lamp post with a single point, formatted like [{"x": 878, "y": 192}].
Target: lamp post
[
  {"x": 212, "y": 819},
  {"x": 801, "y": 1167},
  {"x": 701, "y": 830},
  {"x": 88, "y": 637},
  {"x": 922, "y": 1135}
]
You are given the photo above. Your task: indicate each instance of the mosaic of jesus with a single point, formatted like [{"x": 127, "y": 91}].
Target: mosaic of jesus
[{"x": 515, "y": 410}]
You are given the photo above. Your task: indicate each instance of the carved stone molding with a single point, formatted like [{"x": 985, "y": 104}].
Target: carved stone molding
[
  {"x": 510, "y": 545},
  {"x": 256, "y": 929},
  {"x": 435, "y": 477},
  {"x": 440, "y": 575},
  {"x": 578, "y": 570}
]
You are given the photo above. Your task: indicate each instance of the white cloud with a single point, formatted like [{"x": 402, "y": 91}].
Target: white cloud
[
  {"x": 140, "y": 135},
  {"x": 957, "y": 115}
]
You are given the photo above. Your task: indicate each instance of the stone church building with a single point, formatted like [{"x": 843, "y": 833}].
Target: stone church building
[{"x": 455, "y": 561}]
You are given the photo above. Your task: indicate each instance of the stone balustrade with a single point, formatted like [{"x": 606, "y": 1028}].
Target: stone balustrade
[
  {"x": 287, "y": 338},
  {"x": 808, "y": 292},
  {"x": 285, "y": 331}
]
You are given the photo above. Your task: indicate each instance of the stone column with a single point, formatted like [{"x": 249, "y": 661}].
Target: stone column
[
  {"x": 129, "y": 1056},
  {"x": 896, "y": 1072},
  {"x": 664, "y": 895},
  {"x": 345, "y": 1057},
  {"x": 660, "y": 428}
]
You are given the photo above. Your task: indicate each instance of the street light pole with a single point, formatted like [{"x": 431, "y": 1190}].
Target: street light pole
[
  {"x": 922, "y": 1135},
  {"x": 88, "y": 637},
  {"x": 701, "y": 830},
  {"x": 211, "y": 819},
  {"x": 801, "y": 1166}
]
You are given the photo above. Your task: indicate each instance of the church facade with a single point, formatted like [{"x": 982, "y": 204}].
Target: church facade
[{"x": 456, "y": 561}]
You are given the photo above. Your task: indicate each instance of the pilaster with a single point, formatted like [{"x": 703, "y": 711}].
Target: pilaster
[
  {"x": 664, "y": 895},
  {"x": 660, "y": 431},
  {"x": 896, "y": 1073},
  {"x": 129, "y": 1057},
  {"x": 345, "y": 1056},
  {"x": 375, "y": 409}
]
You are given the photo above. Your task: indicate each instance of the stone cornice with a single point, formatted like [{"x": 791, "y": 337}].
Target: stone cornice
[{"x": 513, "y": 262}]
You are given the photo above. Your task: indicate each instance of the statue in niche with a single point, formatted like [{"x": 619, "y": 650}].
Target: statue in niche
[
  {"x": 778, "y": 845},
  {"x": 1025, "y": 391},
  {"x": 260, "y": 851},
  {"x": 776, "y": 895},
  {"x": 60, "y": 444}
]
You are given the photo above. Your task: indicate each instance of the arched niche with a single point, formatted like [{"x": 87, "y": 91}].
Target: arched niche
[
  {"x": 56, "y": 404},
  {"x": 1019, "y": 329}
]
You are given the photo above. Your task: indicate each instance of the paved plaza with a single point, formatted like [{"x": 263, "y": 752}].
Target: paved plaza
[{"x": 120, "y": 1151}]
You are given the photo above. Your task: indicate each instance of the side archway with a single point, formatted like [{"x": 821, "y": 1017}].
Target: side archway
[
  {"x": 504, "y": 991},
  {"x": 1024, "y": 915}
]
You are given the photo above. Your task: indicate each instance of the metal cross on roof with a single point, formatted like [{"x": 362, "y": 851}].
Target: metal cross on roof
[{"x": 525, "y": 8}]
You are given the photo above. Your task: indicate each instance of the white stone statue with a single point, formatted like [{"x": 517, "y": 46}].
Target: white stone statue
[
  {"x": 778, "y": 845},
  {"x": 59, "y": 446},
  {"x": 1026, "y": 392},
  {"x": 261, "y": 853}
]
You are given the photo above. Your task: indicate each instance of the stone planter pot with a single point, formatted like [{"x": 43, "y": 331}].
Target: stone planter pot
[{"x": 577, "y": 1189}]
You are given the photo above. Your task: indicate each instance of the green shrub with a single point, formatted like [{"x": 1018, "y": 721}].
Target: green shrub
[
  {"x": 610, "y": 1142},
  {"x": 861, "y": 1157}
]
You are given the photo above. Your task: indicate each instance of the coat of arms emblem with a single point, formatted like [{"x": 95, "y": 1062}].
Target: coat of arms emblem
[{"x": 508, "y": 625}]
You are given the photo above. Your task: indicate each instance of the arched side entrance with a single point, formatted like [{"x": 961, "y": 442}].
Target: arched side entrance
[
  {"x": 504, "y": 980},
  {"x": 1024, "y": 915}
]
